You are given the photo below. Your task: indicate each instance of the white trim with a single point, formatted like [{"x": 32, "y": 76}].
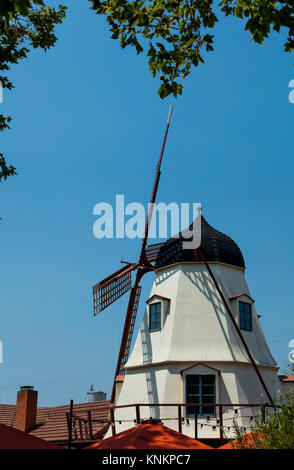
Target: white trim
[
  {"x": 161, "y": 363},
  {"x": 197, "y": 262}
]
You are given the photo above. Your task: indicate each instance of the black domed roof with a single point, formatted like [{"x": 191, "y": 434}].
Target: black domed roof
[{"x": 215, "y": 245}]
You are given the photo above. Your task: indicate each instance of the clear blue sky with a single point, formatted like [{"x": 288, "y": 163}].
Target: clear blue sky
[{"x": 87, "y": 125}]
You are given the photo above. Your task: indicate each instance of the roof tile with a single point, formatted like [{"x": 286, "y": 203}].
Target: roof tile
[{"x": 52, "y": 422}]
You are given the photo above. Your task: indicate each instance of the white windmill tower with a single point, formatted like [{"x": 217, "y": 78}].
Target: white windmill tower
[
  {"x": 189, "y": 347},
  {"x": 200, "y": 341}
]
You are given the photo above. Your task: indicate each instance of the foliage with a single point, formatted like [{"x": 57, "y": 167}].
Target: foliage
[
  {"x": 23, "y": 27},
  {"x": 9, "y": 7},
  {"x": 273, "y": 429},
  {"x": 175, "y": 33}
]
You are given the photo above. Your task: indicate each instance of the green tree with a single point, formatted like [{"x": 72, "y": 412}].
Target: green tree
[
  {"x": 24, "y": 25},
  {"x": 10, "y": 7},
  {"x": 274, "y": 429},
  {"x": 174, "y": 33}
]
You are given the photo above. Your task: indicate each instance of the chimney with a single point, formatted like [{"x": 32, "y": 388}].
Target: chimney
[{"x": 26, "y": 408}]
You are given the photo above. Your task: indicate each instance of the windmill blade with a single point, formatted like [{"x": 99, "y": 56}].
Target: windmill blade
[
  {"x": 143, "y": 268},
  {"x": 112, "y": 287},
  {"x": 152, "y": 251},
  {"x": 129, "y": 329},
  {"x": 128, "y": 332}
]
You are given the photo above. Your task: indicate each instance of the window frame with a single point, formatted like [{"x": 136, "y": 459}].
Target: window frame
[
  {"x": 151, "y": 329},
  {"x": 245, "y": 322},
  {"x": 211, "y": 410}
]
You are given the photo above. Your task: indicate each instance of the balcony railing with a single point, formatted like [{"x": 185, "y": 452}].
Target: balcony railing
[
  {"x": 180, "y": 416},
  {"x": 81, "y": 428}
]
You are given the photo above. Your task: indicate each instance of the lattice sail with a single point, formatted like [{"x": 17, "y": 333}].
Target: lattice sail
[
  {"x": 131, "y": 330},
  {"x": 112, "y": 288},
  {"x": 152, "y": 251}
]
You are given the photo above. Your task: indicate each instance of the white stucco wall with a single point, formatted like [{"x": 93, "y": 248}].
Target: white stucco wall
[
  {"x": 236, "y": 384},
  {"x": 196, "y": 329},
  {"x": 198, "y": 326},
  {"x": 288, "y": 387}
]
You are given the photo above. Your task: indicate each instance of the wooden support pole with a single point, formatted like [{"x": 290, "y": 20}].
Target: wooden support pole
[
  {"x": 138, "y": 419},
  {"x": 196, "y": 422},
  {"x": 70, "y": 424},
  {"x": 180, "y": 418},
  {"x": 75, "y": 428},
  {"x": 221, "y": 423},
  {"x": 112, "y": 421},
  {"x": 90, "y": 428},
  {"x": 81, "y": 429},
  {"x": 86, "y": 429}
]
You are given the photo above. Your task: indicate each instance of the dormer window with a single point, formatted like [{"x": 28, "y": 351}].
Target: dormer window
[
  {"x": 155, "y": 316},
  {"x": 245, "y": 316},
  {"x": 158, "y": 311}
]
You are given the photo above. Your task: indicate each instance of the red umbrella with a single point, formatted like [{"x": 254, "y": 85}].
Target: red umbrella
[
  {"x": 11, "y": 438},
  {"x": 149, "y": 436}
]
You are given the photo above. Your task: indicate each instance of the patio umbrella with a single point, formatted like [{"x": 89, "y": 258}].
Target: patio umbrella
[{"x": 149, "y": 435}]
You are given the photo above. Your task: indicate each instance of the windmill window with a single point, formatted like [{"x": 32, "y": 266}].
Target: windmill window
[
  {"x": 245, "y": 313},
  {"x": 200, "y": 389},
  {"x": 155, "y": 316}
]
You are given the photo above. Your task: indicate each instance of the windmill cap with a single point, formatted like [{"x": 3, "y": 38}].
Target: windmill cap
[{"x": 216, "y": 246}]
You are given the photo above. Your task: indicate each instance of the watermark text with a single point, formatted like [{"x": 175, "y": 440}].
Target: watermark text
[{"x": 164, "y": 220}]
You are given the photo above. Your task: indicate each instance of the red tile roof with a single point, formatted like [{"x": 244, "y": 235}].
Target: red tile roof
[
  {"x": 7, "y": 414},
  {"x": 236, "y": 296},
  {"x": 119, "y": 378},
  {"x": 52, "y": 422},
  {"x": 157, "y": 295},
  {"x": 149, "y": 436},
  {"x": 286, "y": 378},
  {"x": 11, "y": 438}
]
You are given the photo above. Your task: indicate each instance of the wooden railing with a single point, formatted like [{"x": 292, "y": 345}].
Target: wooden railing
[
  {"x": 180, "y": 416},
  {"x": 81, "y": 428}
]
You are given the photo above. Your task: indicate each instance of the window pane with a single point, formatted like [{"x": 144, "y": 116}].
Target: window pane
[
  {"x": 245, "y": 316},
  {"x": 208, "y": 389},
  {"x": 155, "y": 316},
  {"x": 192, "y": 379},
  {"x": 207, "y": 398},
  {"x": 193, "y": 398},
  {"x": 208, "y": 379},
  {"x": 248, "y": 308},
  {"x": 200, "y": 389},
  {"x": 191, "y": 410},
  {"x": 208, "y": 410},
  {"x": 155, "y": 307},
  {"x": 193, "y": 392}
]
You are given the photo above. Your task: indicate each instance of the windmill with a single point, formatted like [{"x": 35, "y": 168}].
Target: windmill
[{"x": 117, "y": 284}]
